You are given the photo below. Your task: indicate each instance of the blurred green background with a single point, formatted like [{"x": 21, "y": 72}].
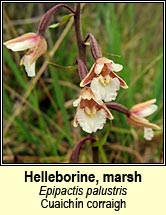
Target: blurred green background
[{"x": 38, "y": 112}]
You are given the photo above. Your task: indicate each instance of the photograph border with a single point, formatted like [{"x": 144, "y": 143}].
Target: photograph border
[{"x": 83, "y": 164}]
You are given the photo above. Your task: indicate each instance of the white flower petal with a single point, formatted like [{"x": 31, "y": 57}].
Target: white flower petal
[
  {"x": 30, "y": 69},
  {"x": 148, "y": 133},
  {"x": 91, "y": 124},
  {"x": 106, "y": 93},
  {"x": 76, "y": 102},
  {"x": 20, "y": 46},
  {"x": 147, "y": 111},
  {"x": 98, "y": 68},
  {"x": 116, "y": 67}
]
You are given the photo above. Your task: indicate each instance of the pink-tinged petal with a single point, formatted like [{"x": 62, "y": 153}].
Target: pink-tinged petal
[
  {"x": 147, "y": 111},
  {"x": 88, "y": 78},
  {"x": 122, "y": 82},
  {"x": 21, "y": 46},
  {"x": 87, "y": 94},
  {"x": 143, "y": 105},
  {"x": 37, "y": 46},
  {"x": 103, "y": 60},
  {"x": 116, "y": 67},
  {"x": 148, "y": 133},
  {"x": 30, "y": 68},
  {"x": 91, "y": 124},
  {"x": 76, "y": 102},
  {"x": 23, "y": 42},
  {"x": 135, "y": 120},
  {"x": 40, "y": 49},
  {"x": 106, "y": 92},
  {"x": 22, "y": 38}
]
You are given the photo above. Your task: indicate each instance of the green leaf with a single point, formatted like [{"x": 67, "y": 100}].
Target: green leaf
[
  {"x": 68, "y": 68},
  {"x": 25, "y": 132},
  {"x": 102, "y": 141},
  {"x": 62, "y": 21},
  {"x": 14, "y": 69}
]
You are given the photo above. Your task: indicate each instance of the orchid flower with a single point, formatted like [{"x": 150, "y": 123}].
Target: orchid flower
[
  {"x": 35, "y": 43},
  {"x": 91, "y": 113},
  {"x": 137, "y": 114},
  {"x": 103, "y": 80}
]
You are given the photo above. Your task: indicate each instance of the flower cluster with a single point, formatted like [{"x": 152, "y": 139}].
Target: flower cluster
[
  {"x": 104, "y": 84},
  {"x": 99, "y": 86}
]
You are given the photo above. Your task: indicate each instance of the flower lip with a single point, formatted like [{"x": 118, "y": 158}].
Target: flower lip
[
  {"x": 148, "y": 133},
  {"x": 91, "y": 124},
  {"x": 105, "y": 88},
  {"x": 30, "y": 68}
]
